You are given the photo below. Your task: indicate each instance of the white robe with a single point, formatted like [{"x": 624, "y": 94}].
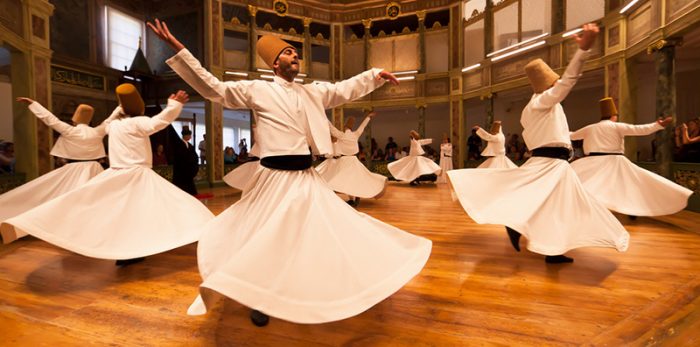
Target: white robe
[
  {"x": 344, "y": 173},
  {"x": 290, "y": 248},
  {"x": 415, "y": 164},
  {"x": 543, "y": 199},
  {"x": 445, "y": 161},
  {"x": 126, "y": 212},
  {"x": 80, "y": 142},
  {"x": 240, "y": 177},
  {"x": 618, "y": 183},
  {"x": 495, "y": 150}
]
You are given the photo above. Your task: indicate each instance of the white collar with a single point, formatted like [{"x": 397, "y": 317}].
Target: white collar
[{"x": 283, "y": 82}]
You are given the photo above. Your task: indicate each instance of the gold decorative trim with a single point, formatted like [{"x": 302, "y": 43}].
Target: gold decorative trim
[
  {"x": 660, "y": 44},
  {"x": 281, "y": 7},
  {"x": 393, "y": 10},
  {"x": 367, "y": 23},
  {"x": 252, "y": 10},
  {"x": 421, "y": 15}
]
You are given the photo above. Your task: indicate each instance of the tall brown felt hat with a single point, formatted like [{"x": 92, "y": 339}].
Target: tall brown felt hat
[
  {"x": 350, "y": 123},
  {"x": 541, "y": 76},
  {"x": 415, "y": 134},
  {"x": 130, "y": 100},
  {"x": 607, "y": 108},
  {"x": 269, "y": 48},
  {"x": 83, "y": 114},
  {"x": 495, "y": 127}
]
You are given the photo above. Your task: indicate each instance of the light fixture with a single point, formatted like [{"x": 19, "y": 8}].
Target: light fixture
[
  {"x": 469, "y": 68},
  {"x": 398, "y": 73},
  {"x": 271, "y": 77},
  {"x": 572, "y": 32},
  {"x": 517, "y": 44},
  {"x": 236, "y": 73},
  {"x": 301, "y": 74},
  {"x": 628, "y": 6},
  {"x": 298, "y": 80},
  {"x": 265, "y": 70},
  {"x": 519, "y": 50},
  {"x": 406, "y": 78}
]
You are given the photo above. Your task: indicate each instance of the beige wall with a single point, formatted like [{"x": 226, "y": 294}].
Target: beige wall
[{"x": 5, "y": 109}]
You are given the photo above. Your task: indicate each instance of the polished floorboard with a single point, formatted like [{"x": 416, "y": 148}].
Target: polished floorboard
[{"x": 474, "y": 290}]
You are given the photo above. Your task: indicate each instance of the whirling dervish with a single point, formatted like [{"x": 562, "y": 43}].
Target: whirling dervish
[
  {"x": 80, "y": 144},
  {"x": 344, "y": 172},
  {"x": 613, "y": 179},
  {"x": 415, "y": 165},
  {"x": 495, "y": 149}
]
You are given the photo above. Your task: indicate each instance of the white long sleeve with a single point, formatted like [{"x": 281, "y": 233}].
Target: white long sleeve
[
  {"x": 607, "y": 136},
  {"x": 80, "y": 142}
]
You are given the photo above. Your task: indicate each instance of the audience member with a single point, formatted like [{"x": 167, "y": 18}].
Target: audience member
[
  {"x": 230, "y": 155},
  {"x": 159, "y": 158},
  {"x": 203, "y": 150},
  {"x": 7, "y": 157},
  {"x": 474, "y": 144}
]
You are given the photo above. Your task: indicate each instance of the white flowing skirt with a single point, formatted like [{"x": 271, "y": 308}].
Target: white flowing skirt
[
  {"x": 239, "y": 177},
  {"x": 119, "y": 214},
  {"x": 347, "y": 175},
  {"x": 291, "y": 249},
  {"x": 627, "y": 188},
  {"x": 544, "y": 201},
  {"x": 445, "y": 165},
  {"x": 497, "y": 162},
  {"x": 41, "y": 190},
  {"x": 411, "y": 167}
]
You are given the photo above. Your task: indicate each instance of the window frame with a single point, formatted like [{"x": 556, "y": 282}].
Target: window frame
[{"x": 107, "y": 40}]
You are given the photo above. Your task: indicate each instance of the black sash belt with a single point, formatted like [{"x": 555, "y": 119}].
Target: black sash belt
[
  {"x": 287, "y": 162},
  {"x": 71, "y": 161},
  {"x": 551, "y": 152},
  {"x": 595, "y": 154},
  {"x": 253, "y": 158}
]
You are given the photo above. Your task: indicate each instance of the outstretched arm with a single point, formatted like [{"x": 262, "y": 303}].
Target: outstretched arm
[
  {"x": 335, "y": 132},
  {"x": 563, "y": 86},
  {"x": 363, "y": 125},
  {"x": 229, "y": 94},
  {"x": 336, "y": 94},
  {"x": 485, "y": 135},
  {"x": 152, "y": 125},
  {"x": 579, "y": 134},
  {"x": 424, "y": 142},
  {"x": 642, "y": 129},
  {"x": 46, "y": 116},
  {"x": 115, "y": 114}
]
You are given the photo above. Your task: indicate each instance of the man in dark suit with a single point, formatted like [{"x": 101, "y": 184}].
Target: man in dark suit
[{"x": 185, "y": 161}]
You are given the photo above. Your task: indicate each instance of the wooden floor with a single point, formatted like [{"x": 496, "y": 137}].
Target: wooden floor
[{"x": 474, "y": 290}]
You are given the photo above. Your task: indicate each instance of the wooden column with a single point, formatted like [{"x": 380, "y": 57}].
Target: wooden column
[
  {"x": 456, "y": 50},
  {"x": 488, "y": 27},
  {"x": 367, "y": 23},
  {"x": 307, "y": 47},
  {"x": 558, "y": 16},
  {"x": 213, "y": 48},
  {"x": 252, "y": 38},
  {"x": 421, "y": 40}
]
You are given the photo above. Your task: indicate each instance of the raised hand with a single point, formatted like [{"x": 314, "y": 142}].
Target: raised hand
[
  {"x": 181, "y": 97},
  {"x": 665, "y": 121},
  {"x": 161, "y": 30},
  {"x": 476, "y": 127},
  {"x": 389, "y": 77},
  {"x": 586, "y": 38},
  {"x": 371, "y": 114},
  {"x": 27, "y": 101}
]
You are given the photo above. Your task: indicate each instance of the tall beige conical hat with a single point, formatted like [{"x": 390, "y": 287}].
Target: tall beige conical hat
[
  {"x": 83, "y": 114},
  {"x": 269, "y": 48},
  {"x": 414, "y": 134},
  {"x": 130, "y": 100},
  {"x": 541, "y": 76}
]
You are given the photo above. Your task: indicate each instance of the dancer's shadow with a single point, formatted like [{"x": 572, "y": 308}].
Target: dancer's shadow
[{"x": 76, "y": 273}]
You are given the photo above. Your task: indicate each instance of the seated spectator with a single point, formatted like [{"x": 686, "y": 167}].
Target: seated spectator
[
  {"x": 7, "y": 157},
  {"x": 230, "y": 156},
  {"x": 691, "y": 141},
  {"x": 378, "y": 155},
  {"x": 390, "y": 155},
  {"x": 401, "y": 152},
  {"x": 159, "y": 158}
]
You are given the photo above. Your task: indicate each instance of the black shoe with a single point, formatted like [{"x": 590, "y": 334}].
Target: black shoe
[
  {"x": 413, "y": 183},
  {"x": 357, "y": 202},
  {"x": 351, "y": 203},
  {"x": 558, "y": 259},
  {"x": 514, "y": 237},
  {"x": 258, "y": 318},
  {"x": 633, "y": 217},
  {"x": 125, "y": 262}
]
